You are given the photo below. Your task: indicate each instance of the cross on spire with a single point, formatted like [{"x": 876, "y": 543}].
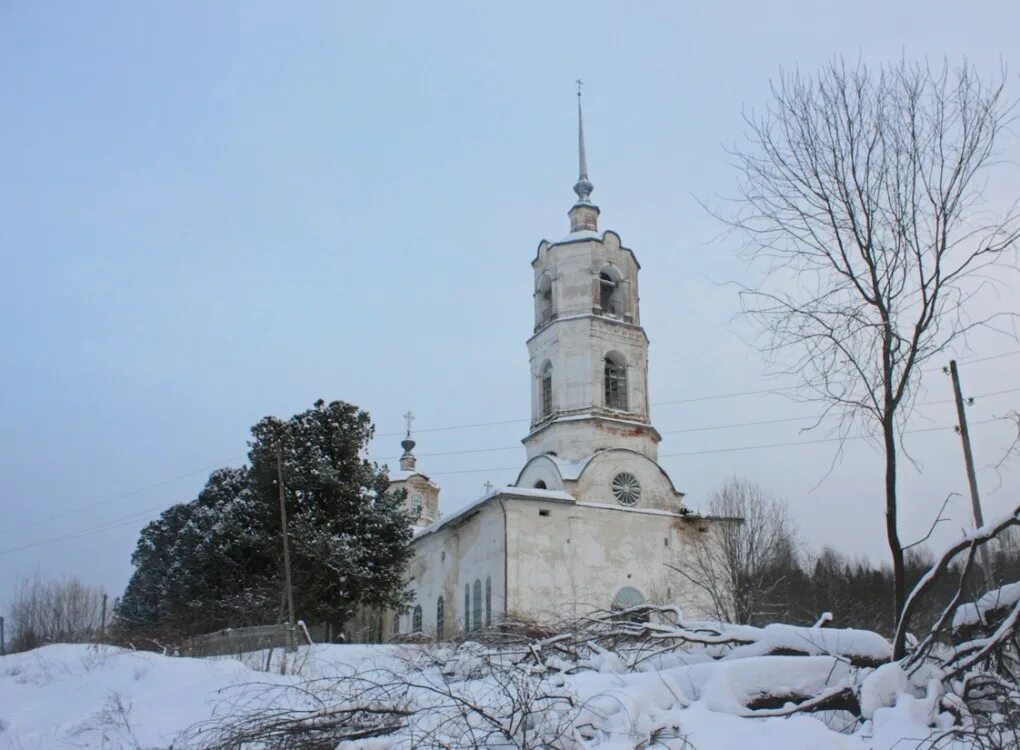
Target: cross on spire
[
  {"x": 488, "y": 486},
  {"x": 407, "y": 461}
]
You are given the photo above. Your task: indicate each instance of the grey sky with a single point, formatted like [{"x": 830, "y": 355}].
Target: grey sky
[{"x": 212, "y": 213}]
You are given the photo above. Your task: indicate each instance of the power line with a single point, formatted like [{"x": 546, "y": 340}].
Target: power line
[
  {"x": 105, "y": 526},
  {"x": 691, "y": 400},
  {"x": 989, "y": 358},
  {"x": 139, "y": 515},
  {"x": 696, "y": 399},
  {"x": 708, "y": 428},
  {"x": 115, "y": 498},
  {"x": 735, "y": 449}
]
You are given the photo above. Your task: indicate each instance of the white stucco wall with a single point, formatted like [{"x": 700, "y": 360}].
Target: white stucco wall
[
  {"x": 576, "y": 558},
  {"x": 469, "y": 548}
]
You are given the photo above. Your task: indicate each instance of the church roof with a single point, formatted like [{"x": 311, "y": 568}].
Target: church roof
[
  {"x": 517, "y": 493},
  {"x": 402, "y": 475},
  {"x": 571, "y": 470}
]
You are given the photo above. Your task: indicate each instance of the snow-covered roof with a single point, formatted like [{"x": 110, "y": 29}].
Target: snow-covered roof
[
  {"x": 613, "y": 505},
  {"x": 537, "y": 494},
  {"x": 570, "y": 470},
  {"x": 523, "y": 493},
  {"x": 579, "y": 236},
  {"x": 401, "y": 475}
]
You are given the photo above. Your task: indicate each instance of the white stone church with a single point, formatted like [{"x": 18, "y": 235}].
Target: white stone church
[{"x": 592, "y": 521}]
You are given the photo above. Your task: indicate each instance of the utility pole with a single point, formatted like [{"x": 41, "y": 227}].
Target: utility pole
[
  {"x": 968, "y": 458},
  {"x": 102, "y": 622},
  {"x": 286, "y": 555}
]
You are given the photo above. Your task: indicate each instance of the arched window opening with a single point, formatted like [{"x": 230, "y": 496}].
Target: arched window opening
[
  {"x": 440, "y": 617},
  {"x": 540, "y": 484},
  {"x": 488, "y": 601},
  {"x": 467, "y": 607},
  {"x": 616, "y": 382},
  {"x": 396, "y": 623},
  {"x": 547, "y": 397},
  {"x": 629, "y": 597},
  {"x": 610, "y": 293},
  {"x": 476, "y": 612},
  {"x": 416, "y": 619},
  {"x": 545, "y": 300}
]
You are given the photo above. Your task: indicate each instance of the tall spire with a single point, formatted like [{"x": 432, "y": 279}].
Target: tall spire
[
  {"x": 583, "y": 187},
  {"x": 584, "y": 215}
]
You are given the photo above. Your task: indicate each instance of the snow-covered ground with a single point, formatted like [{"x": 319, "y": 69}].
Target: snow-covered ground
[{"x": 74, "y": 696}]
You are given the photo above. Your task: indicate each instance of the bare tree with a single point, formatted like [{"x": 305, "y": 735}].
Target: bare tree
[
  {"x": 862, "y": 192},
  {"x": 740, "y": 566},
  {"x": 46, "y": 611}
]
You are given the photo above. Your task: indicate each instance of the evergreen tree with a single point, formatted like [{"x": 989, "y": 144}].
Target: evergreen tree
[
  {"x": 217, "y": 561},
  {"x": 349, "y": 536}
]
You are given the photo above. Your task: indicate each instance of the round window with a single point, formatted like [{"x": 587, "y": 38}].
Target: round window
[{"x": 626, "y": 488}]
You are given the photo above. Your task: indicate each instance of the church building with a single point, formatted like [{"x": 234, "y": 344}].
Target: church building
[{"x": 592, "y": 520}]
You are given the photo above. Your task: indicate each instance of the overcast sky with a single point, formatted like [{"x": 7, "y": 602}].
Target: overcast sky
[{"x": 212, "y": 213}]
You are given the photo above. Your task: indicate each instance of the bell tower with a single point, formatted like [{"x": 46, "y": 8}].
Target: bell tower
[{"x": 589, "y": 353}]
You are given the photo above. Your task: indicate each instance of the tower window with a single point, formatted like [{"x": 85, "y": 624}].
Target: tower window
[
  {"x": 610, "y": 293},
  {"x": 440, "y": 616},
  {"x": 416, "y": 619},
  {"x": 467, "y": 607},
  {"x": 545, "y": 300},
  {"x": 615, "y": 382},
  {"x": 547, "y": 400}
]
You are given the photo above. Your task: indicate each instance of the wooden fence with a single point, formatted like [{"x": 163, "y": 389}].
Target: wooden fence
[{"x": 238, "y": 641}]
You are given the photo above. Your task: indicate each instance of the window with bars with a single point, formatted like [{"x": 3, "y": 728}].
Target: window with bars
[
  {"x": 547, "y": 397},
  {"x": 416, "y": 619},
  {"x": 476, "y": 612},
  {"x": 440, "y": 617},
  {"x": 616, "y": 383}
]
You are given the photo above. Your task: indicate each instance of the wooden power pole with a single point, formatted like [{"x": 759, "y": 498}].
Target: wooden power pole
[
  {"x": 968, "y": 459},
  {"x": 102, "y": 622},
  {"x": 286, "y": 555}
]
